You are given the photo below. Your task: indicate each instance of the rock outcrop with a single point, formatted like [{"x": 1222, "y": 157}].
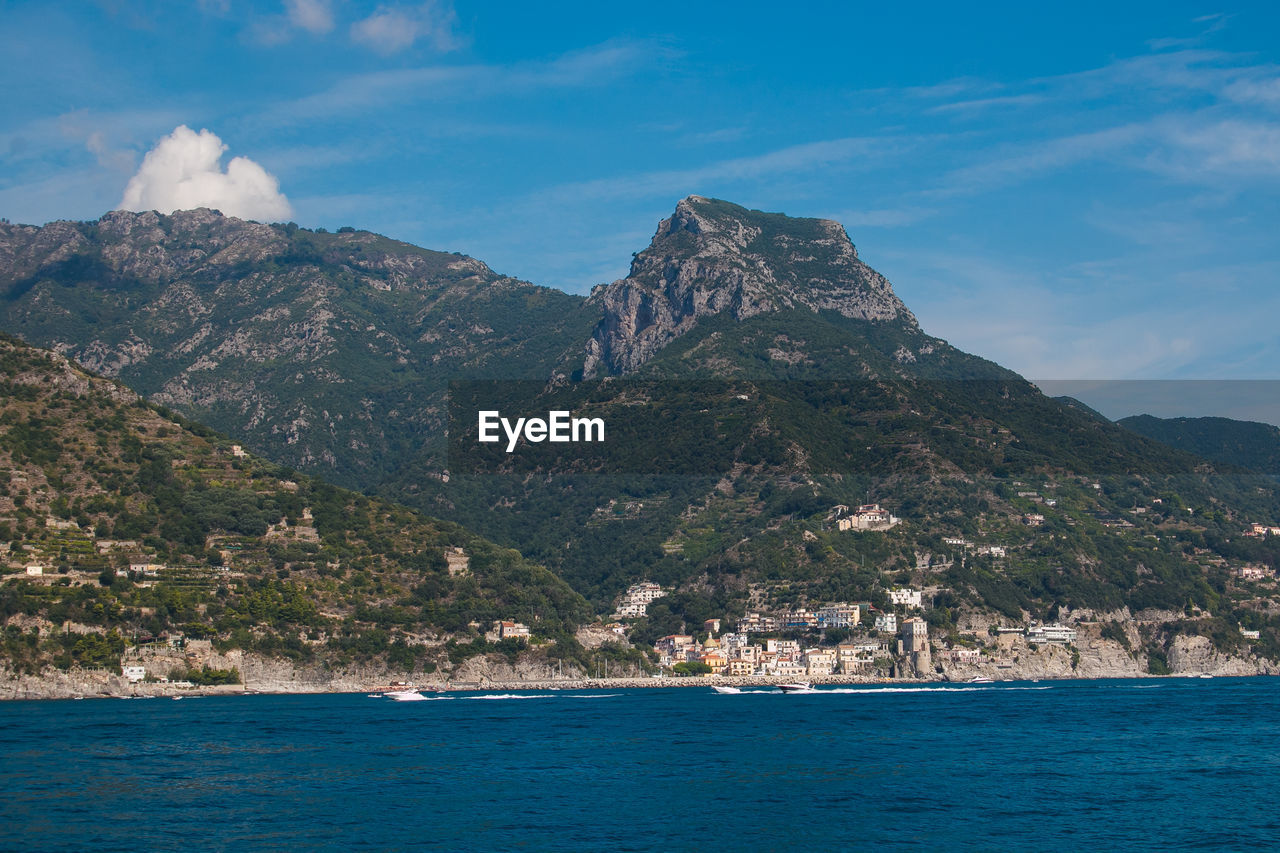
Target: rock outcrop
[{"x": 712, "y": 257}]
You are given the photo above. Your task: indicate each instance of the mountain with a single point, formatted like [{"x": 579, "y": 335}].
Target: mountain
[
  {"x": 1073, "y": 403},
  {"x": 754, "y": 375},
  {"x": 1248, "y": 444},
  {"x": 326, "y": 352},
  {"x": 142, "y": 524},
  {"x": 711, "y": 257}
]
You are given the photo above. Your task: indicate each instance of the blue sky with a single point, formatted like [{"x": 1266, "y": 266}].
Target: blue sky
[{"x": 1091, "y": 191}]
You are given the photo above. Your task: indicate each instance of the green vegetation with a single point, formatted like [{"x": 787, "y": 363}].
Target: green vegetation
[
  {"x": 1248, "y": 444},
  {"x": 151, "y": 532},
  {"x": 330, "y": 353}
]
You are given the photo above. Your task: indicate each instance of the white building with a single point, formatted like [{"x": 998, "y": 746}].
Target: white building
[
  {"x": 868, "y": 517},
  {"x": 644, "y": 592},
  {"x": 906, "y": 597},
  {"x": 1051, "y": 634},
  {"x": 636, "y": 600},
  {"x": 887, "y": 622},
  {"x": 839, "y": 615}
]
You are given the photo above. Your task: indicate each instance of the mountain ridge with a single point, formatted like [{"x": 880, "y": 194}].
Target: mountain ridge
[{"x": 332, "y": 352}]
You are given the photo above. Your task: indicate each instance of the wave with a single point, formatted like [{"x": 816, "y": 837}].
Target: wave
[
  {"x": 967, "y": 689},
  {"x": 512, "y": 696}
]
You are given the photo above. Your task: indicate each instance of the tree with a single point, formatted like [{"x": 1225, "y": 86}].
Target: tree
[{"x": 696, "y": 667}]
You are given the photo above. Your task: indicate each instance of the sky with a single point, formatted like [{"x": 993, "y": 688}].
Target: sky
[{"x": 1090, "y": 191}]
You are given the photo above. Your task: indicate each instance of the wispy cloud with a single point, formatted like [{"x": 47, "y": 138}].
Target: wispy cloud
[
  {"x": 983, "y": 104},
  {"x": 314, "y": 16},
  {"x": 1206, "y": 152},
  {"x": 363, "y": 93},
  {"x": 1023, "y": 160},
  {"x": 676, "y": 183},
  {"x": 392, "y": 29}
]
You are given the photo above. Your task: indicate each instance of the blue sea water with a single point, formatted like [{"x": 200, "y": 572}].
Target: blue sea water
[{"x": 1155, "y": 764}]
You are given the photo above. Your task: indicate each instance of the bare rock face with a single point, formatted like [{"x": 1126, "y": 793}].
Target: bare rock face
[
  {"x": 1197, "y": 656},
  {"x": 711, "y": 257}
]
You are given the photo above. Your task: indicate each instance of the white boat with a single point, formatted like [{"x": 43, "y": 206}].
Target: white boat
[
  {"x": 796, "y": 687},
  {"x": 405, "y": 695},
  {"x": 980, "y": 679},
  {"x": 726, "y": 690}
]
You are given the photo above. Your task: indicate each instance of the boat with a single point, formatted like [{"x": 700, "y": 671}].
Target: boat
[
  {"x": 980, "y": 679},
  {"x": 726, "y": 690},
  {"x": 796, "y": 687},
  {"x": 404, "y": 695}
]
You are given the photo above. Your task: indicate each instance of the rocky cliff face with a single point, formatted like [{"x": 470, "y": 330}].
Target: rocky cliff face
[{"x": 711, "y": 257}]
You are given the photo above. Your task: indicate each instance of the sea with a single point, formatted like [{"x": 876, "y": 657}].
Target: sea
[{"x": 1148, "y": 764}]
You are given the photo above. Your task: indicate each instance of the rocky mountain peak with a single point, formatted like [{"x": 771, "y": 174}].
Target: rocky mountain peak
[{"x": 711, "y": 257}]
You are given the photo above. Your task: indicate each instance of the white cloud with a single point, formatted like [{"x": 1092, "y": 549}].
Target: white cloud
[
  {"x": 314, "y": 16},
  {"x": 183, "y": 172},
  {"x": 391, "y": 29}
]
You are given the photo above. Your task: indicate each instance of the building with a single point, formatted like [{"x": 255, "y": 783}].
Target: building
[
  {"x": 716, "y": 661},
  {"x": 1033, "y": 519},
  {"x": 711, "y": 626},
  {"x": 1253, "y": 573},
  {"x": 868, "y": 517},
  {"x": 755, "y": 623},
  {"x": 134, "y": 673},
  {"x": 645, "y": 592},
  {"x": 887, "y": 622},
  {"x": 1051, "y": 634},
  {"x": 784, "y": 649},
  {"x": 673, "y": 646},
  {"x": 799, "y": 618},
  {"x": 510, "y": 630},
  {"x": 740, "y": 666},
  {"x": 819, "y": 661},
  {"x": 905, "y": 597},
  {"x": 34, "y": 569},
  {"x": 914, "y": 635},
  {"x": 789, "y": 669},
  {"x": 850, "y": 659},
  {"x": 636, "y": 600},
  {"x": 839, "y": 615}
]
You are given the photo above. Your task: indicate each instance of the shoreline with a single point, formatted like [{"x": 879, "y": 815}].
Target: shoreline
[{"x": 108, "y": 690}]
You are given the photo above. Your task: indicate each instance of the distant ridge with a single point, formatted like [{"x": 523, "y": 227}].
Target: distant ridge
[{"x": 1248, "y": 444}]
